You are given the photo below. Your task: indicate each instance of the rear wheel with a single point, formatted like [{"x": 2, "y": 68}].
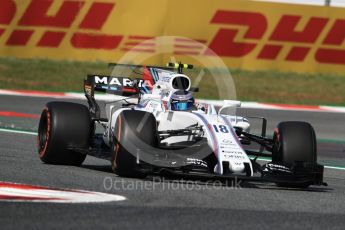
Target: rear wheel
[
  {"x": 134, "y": 130},
  {"x": 294, "y": 142},
  {"x": 62, "y": 126}
]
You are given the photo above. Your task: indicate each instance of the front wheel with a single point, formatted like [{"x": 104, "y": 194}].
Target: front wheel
[{"x": 294, "y": 143}]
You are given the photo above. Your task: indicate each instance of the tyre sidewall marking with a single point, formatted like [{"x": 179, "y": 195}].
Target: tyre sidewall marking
[
  {"x": 117, "y": 145},
  {"x": 44, "y": 150}
]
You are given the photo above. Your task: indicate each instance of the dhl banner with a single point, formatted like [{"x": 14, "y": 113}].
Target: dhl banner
[{"x": 244, "y": 34}]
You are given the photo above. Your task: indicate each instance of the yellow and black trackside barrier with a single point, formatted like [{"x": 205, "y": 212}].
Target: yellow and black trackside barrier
[{"x": 246, "y": 34}]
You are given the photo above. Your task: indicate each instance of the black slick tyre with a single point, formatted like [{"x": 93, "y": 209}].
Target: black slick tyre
[
  {"x": 133, "y": 130},
  {"x": 294, "y": 142},
  {"x": 62, "y": 126}
]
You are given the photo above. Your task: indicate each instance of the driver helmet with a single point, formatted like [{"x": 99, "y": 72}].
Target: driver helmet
[{"x": 181, "y": 100}]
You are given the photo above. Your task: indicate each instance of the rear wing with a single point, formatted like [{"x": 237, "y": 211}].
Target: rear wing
[
  {"x": 113, "y": 85},
  {"x": 125, "y": 86},
  {"x": 122, "y": 86}
]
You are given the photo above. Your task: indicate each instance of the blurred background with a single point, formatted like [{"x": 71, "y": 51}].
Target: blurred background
[{"x": 278, "y": 51}]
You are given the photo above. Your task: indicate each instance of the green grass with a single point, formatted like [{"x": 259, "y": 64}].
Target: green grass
[
  {"x": 261, "y": 86},
  {"x": 47, "y": 75}
]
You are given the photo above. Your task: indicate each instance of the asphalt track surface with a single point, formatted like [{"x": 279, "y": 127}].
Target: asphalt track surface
[{"x": 169, "y": 204}]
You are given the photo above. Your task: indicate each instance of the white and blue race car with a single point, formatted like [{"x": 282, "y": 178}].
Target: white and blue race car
[{"x": 158, "y": 128}]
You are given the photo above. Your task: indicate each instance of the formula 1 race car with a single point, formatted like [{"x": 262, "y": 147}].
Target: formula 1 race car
[{"x": 158, "y": 128}]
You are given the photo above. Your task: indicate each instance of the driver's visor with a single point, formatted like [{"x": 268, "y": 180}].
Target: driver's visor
[{"x": 182, "y": 106}]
